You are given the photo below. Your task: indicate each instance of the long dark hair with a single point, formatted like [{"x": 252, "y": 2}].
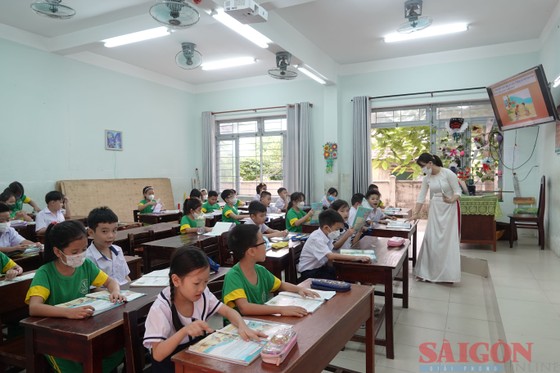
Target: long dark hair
[
  {"x": 293, "y": 198},
  {"x": 191, "y": 204},
  {"x": 184, "y": 261},
  {"x": 427, "y": 158},
  {"x": 60, "y": 235}
]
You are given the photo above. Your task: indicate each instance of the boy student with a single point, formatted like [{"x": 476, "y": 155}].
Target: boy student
[
  {"x": 257, "y": 215},
  {"x": 356, "y": 202},
  {"x": 53, "y": 212},
  {"x": 266, "y": 198},
  {"x": 282, "y": 201},
  {"x": 247, "y": 285},
  {"x": 317, "y": 254},
  {"x": 260, "y": 188},
  {"x": 211, "y": 203},
  {"x": 229, "y": 212},
  {"x": 376, "y": 216},
  {"x": 102, "y": 228},
  {"x": 10, "y": 240}
]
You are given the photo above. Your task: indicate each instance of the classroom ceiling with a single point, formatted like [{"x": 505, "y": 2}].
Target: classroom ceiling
[{"x": 325, "y": 34}]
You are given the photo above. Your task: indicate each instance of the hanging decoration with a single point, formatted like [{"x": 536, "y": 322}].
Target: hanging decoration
[
  {"x": 456, "y": 127},
  {"x": 330, "y": 153}
]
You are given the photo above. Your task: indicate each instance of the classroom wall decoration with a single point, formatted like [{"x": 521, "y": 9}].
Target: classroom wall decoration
[
  {"x": 330, "y": 153},
  {"x": 113, "y": 140}
]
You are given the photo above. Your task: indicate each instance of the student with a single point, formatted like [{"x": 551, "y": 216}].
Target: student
[
  {"x": 239, "y": 202},
  {"x": 247, "y": 285},
  {"x": 356, "y": 201},
  {"x": 282, "y": 201},
  {"x": 260, "y": 188},
  {"x": 178, "y": 317},
  {"x": 195, "y": 193},
  {"x": 147, "y": 205},
  {"x": 348, "y": 235},
  {"x": 53, "y": 212},
  {"x": 329, "y": 198},
  {"x": 9, "y": 198},
  {"x": 17, "y": 188},
  {"x": 102, "y": 228},
  {"x": 257, "y": 215},
  {"x": 65, "y": 276},
  {"x": 375, "y": 187},
  {"x": 192, "y": 209},
  {"x": 230, "y": 213},
  {"x": 10, "y": 240},
  {"x": 266, "y": 198},
  {"x": 377, "y": 215},
  {"x": 211, "y": 203},
  {"x": 317, "y": 254},
  {"x": 296, "y": 217},
  {"x": 9, "y": 268},
  {"x": 203, "y": 195}
]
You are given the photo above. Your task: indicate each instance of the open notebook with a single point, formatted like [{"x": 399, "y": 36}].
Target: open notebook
[
  {"x": 286, "y": 298},
  {"x": 219, "y": 228}
]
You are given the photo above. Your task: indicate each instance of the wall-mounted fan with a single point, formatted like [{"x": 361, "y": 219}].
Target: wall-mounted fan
[
  {"x": 53, "y": 9},
  {"x": 284, "y": 70},
  {"x": 188, "y": 58},
  {"x": 413, "y": 13},
  {"x": 175, "y": 13}
]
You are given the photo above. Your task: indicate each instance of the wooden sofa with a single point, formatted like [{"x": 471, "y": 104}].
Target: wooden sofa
[{"x": 121, "y": 195}]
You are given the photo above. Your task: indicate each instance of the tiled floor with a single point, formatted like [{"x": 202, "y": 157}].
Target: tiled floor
[{"x": 518, "y": 302}]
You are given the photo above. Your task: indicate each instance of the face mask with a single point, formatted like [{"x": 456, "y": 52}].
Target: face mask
[
  {"x": 427, "y": 171},
  {"x": 75, "y": 261},
  {"x": 330, "y": 198},
  {"x": 234, "y": 201},
  {"x": 301, "y": 205},
  {"x": 4, "y": 227},
  {"x": 151, "y": 197},
  {"x": 333, "y": 235}
]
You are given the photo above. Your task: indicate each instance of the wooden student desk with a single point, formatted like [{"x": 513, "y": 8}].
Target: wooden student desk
[
  {"x": 86, "y": 341},
  {"x": 382, "y": 230},
  {"x": 320, "y": 336},
  {"x": 390, "y": 261},
  {"x": 160, "y": 217}
]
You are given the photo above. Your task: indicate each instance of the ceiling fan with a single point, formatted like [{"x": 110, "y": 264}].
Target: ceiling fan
[
  {"x": 283, "y": 69},
  {"x": 188, "y": 58},
  {"x": 53, "y": 9},
  {"x": 175, "y": 13},
  {"x": 413, "y": 13}
]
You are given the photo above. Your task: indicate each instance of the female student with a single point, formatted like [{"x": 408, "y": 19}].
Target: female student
[
  {"x": 348, "y": 236},
  {"x": 329, "y": 198},
  {"x": 17, "y": 188},
  {"x": 295, "y": 217},
  {"x": 192, "y": 210},
  {"x": 178, "y": 316},
  {"x": 146, "y": 206},
  {"x": 65, "y": 276},
  {"x": 230, "y": 214},
  {"x": 439, "y": 259},
  {"x": 8, "y": 197}
]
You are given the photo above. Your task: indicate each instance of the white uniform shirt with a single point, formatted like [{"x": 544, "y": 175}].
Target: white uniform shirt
[
  {"x": 315, "y": 251},
  {"x": 116, "y": 267},
  {"x": 280, "y": 203},
  {"x": 10, "y": 238},
  {"x": 159, "y": 323},
  {"x": 263, "y": 227},
  {"x": 45, "y": 217}
]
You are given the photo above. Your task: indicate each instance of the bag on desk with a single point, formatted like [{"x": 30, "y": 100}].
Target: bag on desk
[
  {"x": 332, "y": 285},
  {"x": 213, "y": 265},
  {"x": 395, "y": 242}
]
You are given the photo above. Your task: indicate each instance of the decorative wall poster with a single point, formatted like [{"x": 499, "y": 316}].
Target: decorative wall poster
[
  {"x": 330, "y": 153},
  {"x": 113, "y": 140}
]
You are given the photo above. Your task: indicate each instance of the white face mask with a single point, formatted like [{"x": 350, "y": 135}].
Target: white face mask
[
  {"x": 75, "y": 261},
  {"x": 333, "y": 235},
  {"x": 427, "y": 171},
  {"x": 4, "y": 227},
  {"x": 151, "y": 197},
  {"x": 301, "y": 205},
  {"x": 234, "y": 201}
]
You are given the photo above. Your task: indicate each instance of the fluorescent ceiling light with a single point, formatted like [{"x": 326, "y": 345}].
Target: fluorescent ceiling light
[
  {"x": 136, "y": 37},
  {"x": 312, "y": 74},
  {"x": 232, "y": 62},
  {"x": 556, "y": 82},
  {"x": 246, "y": 31},
  {"x": 427, "y": 32}
]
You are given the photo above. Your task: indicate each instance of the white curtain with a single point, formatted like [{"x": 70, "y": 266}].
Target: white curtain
[
  {"x": 297, "y": 150},
  {"x": 208, "y": 151},
  {"x": 361, "y": 152}
]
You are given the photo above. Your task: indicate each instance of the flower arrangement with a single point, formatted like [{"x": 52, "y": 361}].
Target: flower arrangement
[
  {"x": 464, "y": 174},
  {"x": 330, "y": 153}
]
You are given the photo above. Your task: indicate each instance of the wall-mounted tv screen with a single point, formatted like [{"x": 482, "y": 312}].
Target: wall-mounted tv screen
[{"x": 522, "y": 100}]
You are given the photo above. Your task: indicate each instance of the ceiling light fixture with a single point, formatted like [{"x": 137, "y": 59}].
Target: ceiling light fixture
[
  {"x": 246, "y": 31},
  {"x": 312, "y": 74},
  {"x": 427, "y": 32},
  {"x": 556, "y": 82},
  {"x": 231, "y": 62},
  {"x": 136, "y": 37}
]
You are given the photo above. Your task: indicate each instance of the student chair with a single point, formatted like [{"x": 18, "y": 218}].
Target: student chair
[
  {"x": 136, "y": 215},
  {"x": 226, "y": 255},
  {"x": 216, "y": 287},
  {"x": 295, "y": 253},
  {"x": 528, "y": 221},
  {"x": 136, "y": 355},
  {"x": 135, "y": 241}
]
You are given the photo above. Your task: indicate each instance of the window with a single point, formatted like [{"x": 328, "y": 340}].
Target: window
[{"x": 249, "y": 152}]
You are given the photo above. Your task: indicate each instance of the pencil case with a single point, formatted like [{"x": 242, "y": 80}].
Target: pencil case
[
  {"x": 300, "y": 237},
  {"x": 279, "y": 245},
  {"x": 395, "y": 242},
  {"x": 279, "y": 346},
  {"x": 332, "y": 285}
]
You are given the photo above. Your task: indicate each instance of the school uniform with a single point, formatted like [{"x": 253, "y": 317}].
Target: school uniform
[
  {"x": 272, "y": 210},
  {"x": 257, "y": 197},
  {"x": 280, "y": 204},
  {"x": 116, "y": 266},
  {"x": 208, "y": 207},
  {"x": 236, "y": 286},
  {"x": 187, "y": 223},
  {"x": 375, "y": 215},
  {"x": 291, "y": 217},
  {"x": 147, "y": 209},
  {"x": 348, "y": 243},
  {"x": 227, "y": 212},
  {"x": 46, "y": 217},
  {"x": 262, "y": 227},
  {"x": 313, "y": 261},
  {"x": 10, "y": 238},
  {"x": 6, "y": 263}
]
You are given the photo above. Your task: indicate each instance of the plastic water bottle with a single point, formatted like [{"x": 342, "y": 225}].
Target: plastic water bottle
[{"x": 200, "y": 224}]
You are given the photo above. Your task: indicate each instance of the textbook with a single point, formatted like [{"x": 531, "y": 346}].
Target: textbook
[
  {"x": 104, "y": 294},
  {"x": 399, "y": 224},
  {"x": 317, "y": 208},
  {"x": 25, "y": 276},
  {"x": 226, "y": 344},
  {"x": 286, "y": 298},
  {"x": 357, "y": 252},
  {"x": 99, "y": 301},
  {"x": 361, "y": 216},
  {"x": 219, "y": 228}
]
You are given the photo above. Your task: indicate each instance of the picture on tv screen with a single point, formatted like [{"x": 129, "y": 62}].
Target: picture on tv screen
[{"x": 522, "y": 100}]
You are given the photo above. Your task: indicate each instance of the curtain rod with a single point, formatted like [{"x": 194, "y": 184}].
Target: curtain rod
[
  {"x": 426, "y": 93},
  {"x": 253, "y": 110}
]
